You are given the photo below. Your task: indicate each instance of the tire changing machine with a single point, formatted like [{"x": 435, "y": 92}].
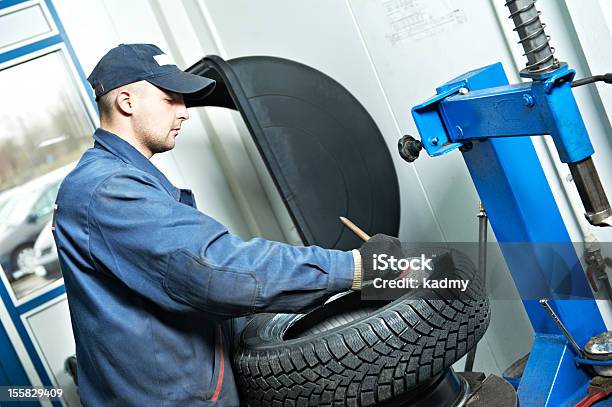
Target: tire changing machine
[{"x": 489, "y": 121}]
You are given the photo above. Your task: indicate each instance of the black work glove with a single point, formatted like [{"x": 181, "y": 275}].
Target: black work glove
[{"x": 377, "y": 256}]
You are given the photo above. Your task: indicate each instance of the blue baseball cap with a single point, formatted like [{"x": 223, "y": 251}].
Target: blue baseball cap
[{"x": 128, "y": 63}]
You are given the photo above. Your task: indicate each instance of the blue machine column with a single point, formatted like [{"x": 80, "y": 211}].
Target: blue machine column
[{"x": 490, "y": 121}]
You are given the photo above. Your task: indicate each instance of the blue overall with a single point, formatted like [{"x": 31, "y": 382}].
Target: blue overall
[{"x": 155, "y": 287}]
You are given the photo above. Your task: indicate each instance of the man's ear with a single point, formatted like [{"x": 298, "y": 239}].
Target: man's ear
[{"x": 125, "y": 101}]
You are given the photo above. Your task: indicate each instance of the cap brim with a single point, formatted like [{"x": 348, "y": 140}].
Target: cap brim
[{"x": 194, "y": 88}]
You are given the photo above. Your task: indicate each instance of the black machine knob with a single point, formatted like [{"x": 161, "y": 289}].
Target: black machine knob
[{"x": 409, "y": 148}]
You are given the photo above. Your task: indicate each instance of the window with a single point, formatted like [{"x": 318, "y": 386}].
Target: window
[{"x": 44, "y": 129}]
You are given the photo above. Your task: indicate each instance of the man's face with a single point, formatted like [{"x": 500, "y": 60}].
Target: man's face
[{"x": 158, "y": 117}]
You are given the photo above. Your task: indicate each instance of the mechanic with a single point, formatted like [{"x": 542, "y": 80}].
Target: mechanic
[{"x": 154, "y": 286}]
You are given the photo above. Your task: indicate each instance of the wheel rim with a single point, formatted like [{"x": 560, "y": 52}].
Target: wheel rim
[{"x": 25, "y": 259}]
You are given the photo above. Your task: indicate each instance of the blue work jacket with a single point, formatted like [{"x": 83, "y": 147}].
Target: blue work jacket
[{"x": 154, "y": 286}]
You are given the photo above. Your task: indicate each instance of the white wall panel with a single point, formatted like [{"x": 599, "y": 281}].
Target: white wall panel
[
  {"x": 24, "y": 23},
  {"x": 51, "y": 332}
]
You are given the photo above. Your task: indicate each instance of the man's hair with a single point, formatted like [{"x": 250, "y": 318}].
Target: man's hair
[{"x": 106, "y": 102}]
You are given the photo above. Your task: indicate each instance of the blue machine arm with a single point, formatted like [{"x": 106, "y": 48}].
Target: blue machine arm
[{"x": 458, "y": 114}]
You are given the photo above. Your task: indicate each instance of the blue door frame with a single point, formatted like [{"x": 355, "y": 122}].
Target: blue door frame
[{"x": 11, "y": 369}]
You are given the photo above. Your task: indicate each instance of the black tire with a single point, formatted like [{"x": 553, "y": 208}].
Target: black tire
[{"x": 362, "y": 353}]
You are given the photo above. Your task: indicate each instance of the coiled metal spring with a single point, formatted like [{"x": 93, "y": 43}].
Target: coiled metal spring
[{"x": 529, "y": 32}]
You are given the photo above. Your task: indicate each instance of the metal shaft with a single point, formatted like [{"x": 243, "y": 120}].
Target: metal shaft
[
  {"x": 482, "y": 269},
  {"x": 531, "y": 34},
  {"x": 540, "y": 59},
  {"x": 591, "y": 192},
  {"x": 562, "y": 327},
  {"x": 483, "y": 226}
]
